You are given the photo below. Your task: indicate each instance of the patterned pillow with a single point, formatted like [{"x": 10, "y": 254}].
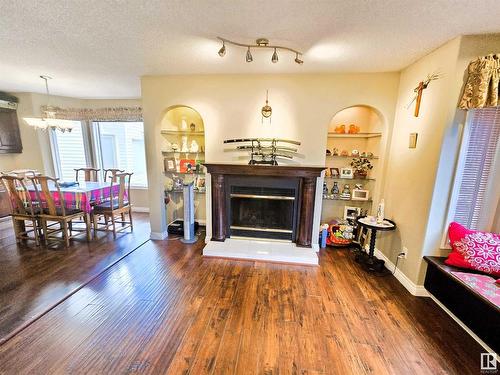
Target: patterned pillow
[{"x": 474, "y": 250}]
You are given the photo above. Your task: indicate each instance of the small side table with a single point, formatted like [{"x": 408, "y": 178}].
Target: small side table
[{"x": 369, "y": 260}]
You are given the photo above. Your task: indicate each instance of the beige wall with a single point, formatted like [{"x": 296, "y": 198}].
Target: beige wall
[
  {"x": 36, "y": 144},
  {"x": 303, "y": 106},
  {"x": 418, "y": 181}
]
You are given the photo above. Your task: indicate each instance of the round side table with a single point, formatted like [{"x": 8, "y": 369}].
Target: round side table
[{"x": 369, "y": 260}]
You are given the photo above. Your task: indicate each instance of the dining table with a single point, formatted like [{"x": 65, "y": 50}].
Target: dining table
[{"x": 81, "y": 196}]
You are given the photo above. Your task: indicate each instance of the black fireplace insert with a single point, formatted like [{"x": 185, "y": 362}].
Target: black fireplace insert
[{"x": 262, "y": 207}]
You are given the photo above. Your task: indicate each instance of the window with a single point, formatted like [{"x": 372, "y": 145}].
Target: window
[
  {"x": 103, "y": 145},
  {"x": 68, "y": 152},
  {"x": 475, "y": 196},
  {"x": 121, "y": 145}
]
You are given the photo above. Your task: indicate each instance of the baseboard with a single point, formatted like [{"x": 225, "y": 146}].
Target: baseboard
[
  {"x": 158, "y": 235},
  {"x": 140, "y": 209},
  {"x": 461, "y": 324},
  {"x": 416, "y": 290}
]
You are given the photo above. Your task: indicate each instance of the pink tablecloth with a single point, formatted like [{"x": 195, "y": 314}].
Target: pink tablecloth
[{"x": 80, "y": 196}]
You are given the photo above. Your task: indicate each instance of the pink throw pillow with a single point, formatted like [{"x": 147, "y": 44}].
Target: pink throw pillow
[{"x": 474, "y": 250}]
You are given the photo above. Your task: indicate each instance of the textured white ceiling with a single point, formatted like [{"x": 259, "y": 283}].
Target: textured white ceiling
[{"x": 100, "y": 48}]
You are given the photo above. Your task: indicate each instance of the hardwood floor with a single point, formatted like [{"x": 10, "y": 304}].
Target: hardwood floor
[
  {"x": 164, "y": 309},
  {"x": 32, "y": 279}
]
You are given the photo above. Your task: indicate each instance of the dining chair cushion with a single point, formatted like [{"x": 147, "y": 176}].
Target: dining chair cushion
[
  {"x": 106, "y": 206},
  {"x": 67, "y": 211}
]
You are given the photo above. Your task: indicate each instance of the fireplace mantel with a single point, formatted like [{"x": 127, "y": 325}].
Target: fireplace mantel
[{"x": 307, "y": 189}]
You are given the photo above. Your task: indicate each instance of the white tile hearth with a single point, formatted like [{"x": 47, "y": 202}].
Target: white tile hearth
[{"x": 286, "y": 252}]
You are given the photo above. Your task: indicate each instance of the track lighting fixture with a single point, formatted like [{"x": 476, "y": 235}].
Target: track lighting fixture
[
  {"x": 249, "y": 55},
  {"x": 260, "y": 43},
  {"x": 222, "y": 50},
  {"x": 274, "y": 59}
]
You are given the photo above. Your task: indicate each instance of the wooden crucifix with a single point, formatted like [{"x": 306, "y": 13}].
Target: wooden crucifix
[{"x": 422, "y": 85}]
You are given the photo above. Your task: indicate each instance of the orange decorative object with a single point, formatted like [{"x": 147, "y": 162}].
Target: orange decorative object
[
  {"x": 340, "y": 129},
  {"x": 353, "y": 129}
]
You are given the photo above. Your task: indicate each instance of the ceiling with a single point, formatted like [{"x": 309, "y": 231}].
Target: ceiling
[{"x": 101, "y": 48}]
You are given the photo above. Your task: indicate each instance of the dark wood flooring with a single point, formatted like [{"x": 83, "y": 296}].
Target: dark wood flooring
[
  {"x": 164, "y": 309},
  {"x": 32, "y": 279}
]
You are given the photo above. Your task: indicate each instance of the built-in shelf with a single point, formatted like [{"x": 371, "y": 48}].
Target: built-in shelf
[
  {"x": 350, "y": 179},
  {"x": 184, "y": 173},
  {"x": 347, "y": 200},
  {"x": 351, "y": 156},
  {"x": 358, "y": 135},
  {"x": 180, "y": 191},
  {"x": 181, "y": 132},
  {"x": 182, "y": 152}
]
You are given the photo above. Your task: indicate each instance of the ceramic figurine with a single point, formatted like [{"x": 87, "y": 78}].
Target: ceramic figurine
[
  {"x": 353, "y": 129},
  {"x": 346, "y": 192},
  {"x": 344, "y": 153},
  {"x": 192, "y": 127},
  {"x": 328, "y": 152},
  {"x": 184, "y": 147},
  {"x": 184, "y": 124},
  {"x": 174, "y": 147},
  {"x": 325, "y": 189},
  {"x": 194, "y": 146},
  {"x": 340, "y": 129},
  {"x": 355, "y": 153},
  {"x": 335, "y": 151},
  {"x": 363, "y": 154},
  {"x": 335, "y": 190},
  {"x": 369, "y": 154},
  {"x": 358, "y": 187}
]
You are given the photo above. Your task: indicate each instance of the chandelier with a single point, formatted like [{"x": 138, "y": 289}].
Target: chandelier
[
  {"x": 260, "y": 43},
  {"x": 48, "y": 119}
]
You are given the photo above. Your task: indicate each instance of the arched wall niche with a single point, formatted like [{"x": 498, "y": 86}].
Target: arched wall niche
[
  {"x": 372, "y": 138},
  {"x": 179, "y": 124}
]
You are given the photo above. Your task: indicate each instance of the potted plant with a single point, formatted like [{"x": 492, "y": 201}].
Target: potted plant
[{"x": 361, "y": 167}]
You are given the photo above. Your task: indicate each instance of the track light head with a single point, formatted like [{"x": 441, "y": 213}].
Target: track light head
[
  {"x": 222, "y": 50},
  {"x": 274, "y": 59},
  {"x": 249, "y": 57},
  {"x": 297, "y": 60}
]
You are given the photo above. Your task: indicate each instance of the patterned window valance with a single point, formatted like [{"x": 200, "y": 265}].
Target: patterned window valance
[
  {"x": 98, "y": 114},
  {"x": 482, "y": 86}
]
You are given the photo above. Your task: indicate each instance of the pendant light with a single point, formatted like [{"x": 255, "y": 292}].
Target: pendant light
[
  {"x": 249, "y": 55},
  {"x": 48, "y": 119},
  {"x": 274, "y": 59}
]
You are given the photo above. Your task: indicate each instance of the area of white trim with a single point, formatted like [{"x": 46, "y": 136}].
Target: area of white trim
[
  {"x": 461, "y": 324},
  {"x": 158, "y": 235},
  {"x": 284, "y": 252},
  {"x": 416, "y": 290},
  {"x": 140, "y": 209}
]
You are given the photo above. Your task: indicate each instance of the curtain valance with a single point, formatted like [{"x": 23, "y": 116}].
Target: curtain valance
[
  {"x": 98, "y": 114},
  {"x": 482, "y": 86}
]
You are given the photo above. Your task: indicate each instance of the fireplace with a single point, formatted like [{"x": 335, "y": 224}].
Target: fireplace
[
  {"x": 265, "y": 202},
  {"x": 262, "y": 207}
]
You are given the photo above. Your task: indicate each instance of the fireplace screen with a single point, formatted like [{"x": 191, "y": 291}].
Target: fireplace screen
[{"x": 262, "y": 212}]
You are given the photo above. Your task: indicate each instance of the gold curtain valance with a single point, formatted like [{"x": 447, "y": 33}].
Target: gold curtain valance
[
  {"x": 98, "y": 114},
  {"x": 482, "y": 86}
]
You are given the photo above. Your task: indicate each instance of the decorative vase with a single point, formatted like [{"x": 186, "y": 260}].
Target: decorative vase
[{"x": 360, "y": 174}]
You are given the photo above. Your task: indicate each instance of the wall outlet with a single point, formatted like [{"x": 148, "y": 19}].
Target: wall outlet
[{"x": 403, "y": 253}]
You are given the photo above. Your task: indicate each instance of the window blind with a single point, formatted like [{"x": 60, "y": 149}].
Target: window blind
[{"x": 478, "y": 167}]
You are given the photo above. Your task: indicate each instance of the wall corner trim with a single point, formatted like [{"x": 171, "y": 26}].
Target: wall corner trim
[
  {"x": 414, "y": 289},
  {"x": 158, "y": 235}
]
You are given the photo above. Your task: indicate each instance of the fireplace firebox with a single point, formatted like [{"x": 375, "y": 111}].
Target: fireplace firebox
[{"x": 262, "y": 207}]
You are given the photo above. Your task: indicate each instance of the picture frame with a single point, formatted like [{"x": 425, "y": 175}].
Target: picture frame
[
  {"x": 169, "y": 165},
  {"x": 334, "y": 172},
  {"x": 360, "y": 195},
  {"x": 346, "y": 173},
  {"x": 187, "y": 165},
  {"x": 200, "y": 183},
  {"x": 351, "y": 212}
]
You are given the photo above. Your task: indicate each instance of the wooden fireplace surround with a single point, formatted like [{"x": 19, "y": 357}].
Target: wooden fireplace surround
[{"x": 307, "y": 191}]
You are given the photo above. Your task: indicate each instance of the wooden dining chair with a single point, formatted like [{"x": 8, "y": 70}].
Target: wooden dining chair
[
  {"x": 112, "y": 172},
  {"x": 89, "y": 174},
  {"x": 23, "y": 211},
  {"x": 114, "y": 210},
  {"x": 54, "y": 210}
]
